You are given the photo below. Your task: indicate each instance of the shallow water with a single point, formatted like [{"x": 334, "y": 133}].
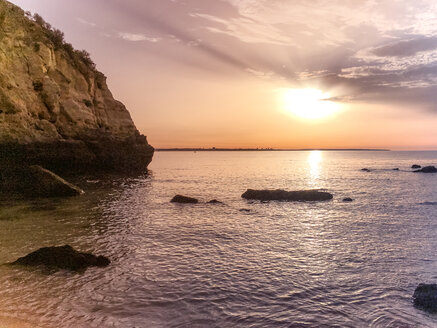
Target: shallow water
[{"x": 329, "y": 264}]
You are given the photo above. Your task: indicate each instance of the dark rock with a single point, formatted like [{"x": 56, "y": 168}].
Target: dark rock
[
  {"x": 245, "y": 210},
  {"x": 282, "y": 195},
  {"x": 365, "y": 170},
  {"x": 396, "y": 169},
  {"x": 215, "y": 201},
  {"x": 348, "y": 199},
  {"x": 94, "y": 152},
  {"x": 425, "y": 296},
  {"x": 35, "y": 181},
  {"x": 415, "y": 166},
  {"x": 428, "y": 169},
  {"x": 184, "y": 200},
  {"x": 62, "y": 257}
]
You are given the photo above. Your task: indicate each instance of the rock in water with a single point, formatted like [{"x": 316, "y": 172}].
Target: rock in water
[
  {"x": 415, "y": 166},
  {"x": 282, "y": 195},
  {"x": 62, "y": 257},
  {"x": 365, "y": 170},
  {"x": 215, "y": 201},
  {"x": 35, "y": 181},
  {"x": 428, "y": 169},
  {"x": 348, "y": 199},
  {"x": 184, "y": 200},
  {"x": 55, "y": 107},
  {"x": 425, "y": 296}
]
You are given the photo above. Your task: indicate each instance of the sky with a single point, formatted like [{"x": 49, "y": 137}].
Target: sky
[{"x": 264, "y": 73}]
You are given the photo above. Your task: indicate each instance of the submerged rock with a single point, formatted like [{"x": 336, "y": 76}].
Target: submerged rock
[
  {"x": 348, "y": 199},
  {"x": 246, "y": 210},
  {"x": 415, "y": 166},
  {"x": 282, "y": 195},
  {"x": 62, "y": 257},
  {"x": 425, "y": 296},
  {"x": 35, "y": 181},
  {"x": 428, "y": 169},
  {"x": 215, "y": 201},
  {"x": 395, "y": 169},
  {"x": 365, "y": 170},
  {"x": 184, "y": 200}
]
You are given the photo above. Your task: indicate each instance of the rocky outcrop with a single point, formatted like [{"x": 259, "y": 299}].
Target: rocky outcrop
[
  {"x": 427, "y": 169},
  {"x": 62, "y": 257},
  {"x": 55, "y": 108},
  {"x": 425, "y": 296},
  {"x": 290, "y": 196},
  {"x": 415, "y": 166},
  {"x": 35, "y": 181},
  {"x": 184, "y": 200}
]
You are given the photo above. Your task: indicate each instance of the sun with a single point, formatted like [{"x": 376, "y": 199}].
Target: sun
[{"x": 309, "y": 104}]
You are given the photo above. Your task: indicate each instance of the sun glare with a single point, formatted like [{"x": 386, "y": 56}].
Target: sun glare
[{"x": 308, "y": 103}]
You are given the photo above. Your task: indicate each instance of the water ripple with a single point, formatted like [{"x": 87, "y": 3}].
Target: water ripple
[{"x": 279, "y": 265}]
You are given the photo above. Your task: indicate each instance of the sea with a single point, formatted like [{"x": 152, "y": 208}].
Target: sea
[{"x": 237, "y": 264}]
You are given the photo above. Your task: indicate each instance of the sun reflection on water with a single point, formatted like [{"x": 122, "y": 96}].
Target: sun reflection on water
[{"x": 314, "y": 160}]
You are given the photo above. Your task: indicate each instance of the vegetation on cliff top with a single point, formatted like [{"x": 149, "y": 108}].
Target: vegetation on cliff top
[
  {"x": 40, "y": 31},
  {"x": 56, "y": 37}
]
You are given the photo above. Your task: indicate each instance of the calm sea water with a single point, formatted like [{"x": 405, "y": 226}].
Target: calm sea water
[{"x": 329, "y": 264}]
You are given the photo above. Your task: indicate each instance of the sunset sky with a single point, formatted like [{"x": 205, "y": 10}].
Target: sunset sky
[{"x": 263, "y": 73}]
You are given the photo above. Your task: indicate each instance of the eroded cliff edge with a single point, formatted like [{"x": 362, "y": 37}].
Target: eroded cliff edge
[{"x": 55, "y": 107}]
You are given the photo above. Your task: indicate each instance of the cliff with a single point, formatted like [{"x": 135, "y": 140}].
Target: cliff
[{"x": 55, "y": 107}]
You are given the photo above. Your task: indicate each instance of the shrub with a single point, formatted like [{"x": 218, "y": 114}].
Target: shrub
[
  {"x": 85, "y": 57},
  {"x": 69, "y": 49},
  {"x": 56, "y": 37},
  {"x": 40, "y": 21},
  {"x": 36, "y": 47},
  {"x": 100, "y": 80}
]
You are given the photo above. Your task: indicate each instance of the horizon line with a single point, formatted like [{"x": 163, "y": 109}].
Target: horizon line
[{"x": 271, "y": 149}]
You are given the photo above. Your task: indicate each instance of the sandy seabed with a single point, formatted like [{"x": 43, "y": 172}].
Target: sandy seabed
[{"x": 15, "y": 323}]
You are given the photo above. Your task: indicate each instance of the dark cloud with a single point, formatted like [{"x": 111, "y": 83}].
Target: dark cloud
[{"x": 407, "y": 48}]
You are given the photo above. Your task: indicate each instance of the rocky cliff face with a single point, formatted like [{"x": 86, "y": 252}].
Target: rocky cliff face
[{"x": 55, "y": 107}]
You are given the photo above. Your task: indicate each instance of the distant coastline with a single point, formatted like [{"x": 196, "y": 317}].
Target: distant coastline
[{"x": 268, "y": 149}]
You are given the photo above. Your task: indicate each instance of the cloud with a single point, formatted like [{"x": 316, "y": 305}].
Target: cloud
[
  {"x": 136, "y": 37},
  {"x": 170, "y": 30},
  {"x": 407, "y": 48},
  {"x": 85, "y": 22},
  {"x": 383, "y": 50},
  {"x": 248, "y": 30}
]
